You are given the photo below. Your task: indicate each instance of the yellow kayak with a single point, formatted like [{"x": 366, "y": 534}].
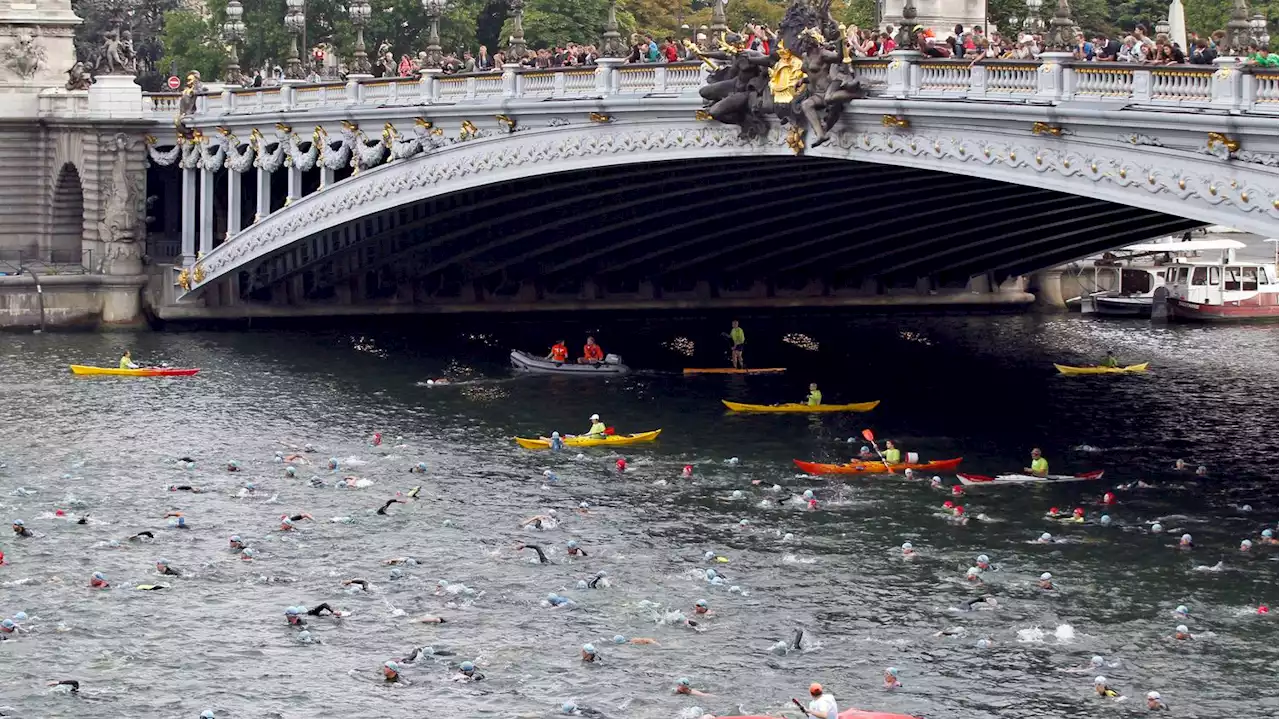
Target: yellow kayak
[
  {"x": 613, "y": 440},
  {"x": 801, "y": 408},
  {"x": 1067, "y": 369},
  {"x": 140, "y": 372}
]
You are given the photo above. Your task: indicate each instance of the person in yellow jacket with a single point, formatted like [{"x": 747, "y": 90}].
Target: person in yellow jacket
[
  {"x": 815, "y": 396},
  {"x": 597, "y": 430},
  {"x": 126, "y": 361}
]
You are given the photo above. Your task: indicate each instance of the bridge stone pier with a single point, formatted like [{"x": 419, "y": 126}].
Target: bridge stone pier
[{"x": 590, "y": 188}]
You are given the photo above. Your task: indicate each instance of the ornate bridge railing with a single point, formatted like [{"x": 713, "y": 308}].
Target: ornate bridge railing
[{"x": 902, "y": 75}]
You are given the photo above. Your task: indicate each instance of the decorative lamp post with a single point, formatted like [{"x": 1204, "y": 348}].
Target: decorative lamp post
[
  {"x": 1162, "y": 30},
  {"x": 360, "y": 13},
  {"x": 1032, "y": 23},
  {"x": 517, "y": 49},
  {"x": 1259, "y": 27},
  {"x": 719, "y": 26},
  {"x": 611, "y": 44},
  {"x": 295, "y": 22},
  {"x": 233, "y": 34},
  {"x": 1062, "y": 30},
  {"x": 1239, "y": 31},
  {"x": 434, "y": 9},
  {"x": 906, "y": 37}
]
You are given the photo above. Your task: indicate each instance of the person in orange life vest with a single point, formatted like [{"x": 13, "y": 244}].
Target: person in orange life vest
[
  {"x": 591, "y": 352},
  {"x": 559, "y": 352}
]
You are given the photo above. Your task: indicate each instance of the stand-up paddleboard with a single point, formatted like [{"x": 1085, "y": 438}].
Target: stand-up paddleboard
[
  {"x": 731, "y": 370},
  {"x": 982, "y": 479},
  {"x": 846, "y": 714}
]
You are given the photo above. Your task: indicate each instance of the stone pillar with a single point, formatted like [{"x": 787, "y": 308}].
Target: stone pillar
[
  {"x": 902, "y": 64},
  {"x": 326, "y": 177},
  {"x": 1049, "y": 76},
  {"x": 206, "y": 212},
  {"x": 1049, "y": 289},
  {"x": 233, "y": 203},
  {"x": 264, "y": 195},
  {"x": 188, "y": 217},
  {"x": 1225, "y": 87},
  {"x": 607, "y": 74},
  {"x": 509, "y": 78},
  {"x": 295, "y": 185}
]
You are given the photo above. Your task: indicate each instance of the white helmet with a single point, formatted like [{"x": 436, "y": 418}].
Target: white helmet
[
  {"x": 1099, "y": 681},
  {"x": 595, "y": 417}
]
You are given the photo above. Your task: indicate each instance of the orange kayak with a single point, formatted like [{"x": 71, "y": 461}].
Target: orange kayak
[{"x": 938, "y": 465}]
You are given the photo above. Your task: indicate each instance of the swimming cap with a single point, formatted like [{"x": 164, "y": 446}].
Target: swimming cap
[
  {"x": 983, "y": 643},
  {"x": 865, "y": 448},
  {"x": 788, "y": 537},
  {"x": 1108, "y": 497},
  {"x": 291, "y": 611},
  {"x": 397, "y": 573},
  {"x": 1181, "y": 629},
  {"x": 619, "y": 639},
  {"x": 735, "y": 589},
  {"x": 246, "y": 553},
  {"x": 700, "y": 603},
  {"x": 1079, "y": 512},
  {"x": 100, "y": 576},
  {"x": 1157, "y": 528},
  {"x": 551, "y": 512},
  {"x": 973, "y": 572},
  {"x": 1046, "y": 576},
  {"x": 1099, "y": 681},
  {"x": 737, "y": 494},
  {"x": 936, "y": 479},
  {"x": 8, "y": 624},
  {"x": 20, "y": 523},
  {"x": 892, "y": 671},
  {"x": 808, "y": 494},
  {"x": 392, "y": 665},
  {"x": 583, "y": 504},
  {"x": 1246, "y": 544},
  {"x": 709, "y": 556},
  {"x": 959, "y": 509},
  {"x": 1053, "y": 510},
  {"x": 233, "y": 463},
  {"x": 552, "y": 597},
  {"x": 1266, "y": 532},
  {"x": 957, "y": 489},
  {"x": 568, "y": 708},
  {"x": 207, "y": 714},
  {"x": 710, "y": 573},
  {"x": 602, "y": 573},
  {"x": 234, "y": 538},
  {"x": 595, "y": 417},
  {"x": 684, "y": 682},
  {"x": 581, "y": 584},
  {"x": 589, "y": 648},
  {"x": 20, "y": 617},
  {"x": 573, "y": 544},
  {"x": 162, "y": 562},
  {"x": 1153, "y": 695},
  {"x": 906, "y": 545},
  {"x": 984, "y": 559},
  {"x": 1105, "y": 519},
  {"x": 743, "y": 523},
  {"x": 1186, "y": 539},
  {"x": 948, "y": 504},
  {"x": 286, "y": 522},
  {"x": 467, "y": 667},
  {"x": 1096, "y": 661},
  {"x": 1046, "y": 537},
  {"x": 1182, "y": 609}
]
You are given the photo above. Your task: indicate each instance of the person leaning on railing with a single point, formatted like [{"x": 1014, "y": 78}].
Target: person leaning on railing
[{"x": 1258, "y": 58}]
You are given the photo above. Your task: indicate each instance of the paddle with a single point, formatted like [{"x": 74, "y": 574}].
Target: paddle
[
  {"x": 797, "y": 703},
  {"x": 871, "y": 437}
]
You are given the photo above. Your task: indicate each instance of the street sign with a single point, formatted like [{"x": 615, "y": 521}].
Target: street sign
[{"x": 174, "y": 82}]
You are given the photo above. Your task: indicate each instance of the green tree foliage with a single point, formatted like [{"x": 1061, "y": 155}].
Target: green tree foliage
[
  {"x": 549, "y": 23},
  {"x": 145, "y": 23},
  {"x": 858, "y": 12},
  {"x": 190, "y": 44}
]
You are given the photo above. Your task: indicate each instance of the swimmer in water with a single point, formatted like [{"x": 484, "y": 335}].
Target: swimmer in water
[
  {"x": 935, "y": 482},
  {"x": 162, "y": 566},
  {"x": 589, "y": 653},
  {"x": 620, "y": 639},
  {"x": 891, "y": 679},
  {"x": 683, "y": 687},
  {"x": 185, "y": 488},
  {"x": 542, "y": 557},
  {"x": 287, "y": 523},
  {"x": 391, "y": 672},
  {"x": 1077, "y": 515},
  {"x": 400, "y": 560},
  {"x": 1181, "y": 612},
  {"x": 537, "y": 520},
  {"x": 1246, "y": 545},
  {"x": 1108, "y": 498},
  {"x": 419, "y": 468},
  {"x": 178, "y": 521},
  {"x": 973, "y": 575},
  {"x": 1155, "y": 703},
  {"x": 1103, "y": 689},
  {"x": 142, "y": 535},
  {"x": 1045, "y": 538},
  {"x": 1185, "y": 542},
  {"x": 99, "y": 581},
  {"x": 362, "y": 583},
  {"x": 986, "y": 600},
  {"x": 467, "y": 673},
  {"x": 1180, "y": 464},
  {"x": 383, "y": 509},
  {"x": 984, "y": 562},
  {"x": 1202, "y": 471},
  {"x": 83, "y": 520},
  {"x": 1181, "y": 633},
  {"x": 20, "y": 529},
  {"x": 74, "y": 684},
  {"x": 236, "y": 543},
  {"x": 1046, "y": 581},
  {"x": 555, "y": 600},
  {"x": 1268, "y": 537},
  {"x": 430, "y": 619},
  {"x": 574, "y": 550},
  {"x": 908, "y": 551}
]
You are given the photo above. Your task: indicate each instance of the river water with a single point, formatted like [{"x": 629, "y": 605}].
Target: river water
[{"x": 981, "y": 387}]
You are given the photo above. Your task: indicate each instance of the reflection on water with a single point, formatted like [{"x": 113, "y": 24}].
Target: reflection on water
[{"x": 981, "y": 387}]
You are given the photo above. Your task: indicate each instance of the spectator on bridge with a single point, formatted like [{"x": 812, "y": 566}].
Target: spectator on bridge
[
  {"x": 1131, "y": 51},
  {"x": 483, "y": 61},
  {"x": 956, "y": 41},
  {"x": 1084, "y": 49},
  {"x": 405, "y": 68},
  {"x": 667, "y": 50},
  {"x": 499, "y": 59},
  {"x": 1140, "y": 34},
  {"x": 1258, "y": 57},
  {"x": 468, "y": 62},
  {"x": 1203, "y": 52}
]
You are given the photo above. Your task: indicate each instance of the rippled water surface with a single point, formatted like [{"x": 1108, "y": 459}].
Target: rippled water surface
[{"x": 981, "y": 387}]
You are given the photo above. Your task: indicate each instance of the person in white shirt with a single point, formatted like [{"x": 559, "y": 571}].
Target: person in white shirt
[{"x": 823, "y": 705}]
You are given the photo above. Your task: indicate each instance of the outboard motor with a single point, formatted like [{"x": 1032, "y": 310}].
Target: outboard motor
[{"x": 612, "y": 359}]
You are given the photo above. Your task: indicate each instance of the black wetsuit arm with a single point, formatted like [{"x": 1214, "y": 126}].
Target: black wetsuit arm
[
  {"x": 583, "y": 552},
  {"x": 74, "y": 684},
  {"x": 364, "y": 584},
  {"x": 592, "y": 584},
  {"x": 148, "y": 535},
  {"x": 322, "y": 607},
  {"x": 170, "y": 571},
  {"x": 383, "y": 509},
  {"x": 542, "y": 557},
  {"x": 298, "y": 517},
  {"x": 795, "y": 642}
]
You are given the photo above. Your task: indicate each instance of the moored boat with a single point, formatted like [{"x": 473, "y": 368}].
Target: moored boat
[
  {"x": 1068, "y": 369},
  {"x": 982, "y": 479},
  {"x": 613, "y": 440},
  {"x": 732, "y": 370},
  {"x": 1227, "y": 290},
  {"x": 525, "y": 362},
  {"x": 139, "y": 372},
  {"x": 937, "y": 465},
  {"x": 799, "y": 408},
  {"x": 1123, "y": 283}
]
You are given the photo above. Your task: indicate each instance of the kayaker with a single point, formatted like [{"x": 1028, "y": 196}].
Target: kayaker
[
  {"x": 815, "y": 396},
  {"x": 559, "y": 352},
  {"x": 1039, "y": 465},
  {"x": 597, "y": 427},
  {"x": 737, "y": 338},
  {"x": 865, "y": 454},
  {"x": 1110, "y": 360},
  {"x": 126, "y": 361},
  {"x": 591, "y": 352},
  {"x": 823, "y": 705},
  {"x": 892, "y": 454}
]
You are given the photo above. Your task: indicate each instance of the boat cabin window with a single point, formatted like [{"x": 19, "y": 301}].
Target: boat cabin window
[
  {"x": 1263, "y": 276},
  {"x": 1249, "y": 278},
  {"x": 1232, "y": 277},
  {"x": 1182, "y": 274},
  {"x": 1170, "y": 274},
  {"x": 1200, "y": 276},
  {"x": 1135, "y": 281}
]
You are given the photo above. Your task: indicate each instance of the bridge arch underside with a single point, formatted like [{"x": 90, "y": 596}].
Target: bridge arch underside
[{"x": 747, "y": 227}]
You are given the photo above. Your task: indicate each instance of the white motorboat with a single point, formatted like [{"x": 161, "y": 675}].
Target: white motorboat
[
  {"x": 1123, "y": 283},
  {"x": 525, "y": 362}
]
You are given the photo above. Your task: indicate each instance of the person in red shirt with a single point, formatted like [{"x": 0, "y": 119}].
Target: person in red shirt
[
  {"x": 559, "y": 352},
  {"x": 591, "y": 352}
]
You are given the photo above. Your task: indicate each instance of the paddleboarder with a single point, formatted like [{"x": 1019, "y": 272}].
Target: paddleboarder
[
  {"x": 738, "y": 338},
  {"x": 815, "y": 395},
  {"x": 1039, "y": 465}
]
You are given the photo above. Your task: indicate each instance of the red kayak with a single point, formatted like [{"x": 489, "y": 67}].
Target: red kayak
[{"x": 938, "y": 465}]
